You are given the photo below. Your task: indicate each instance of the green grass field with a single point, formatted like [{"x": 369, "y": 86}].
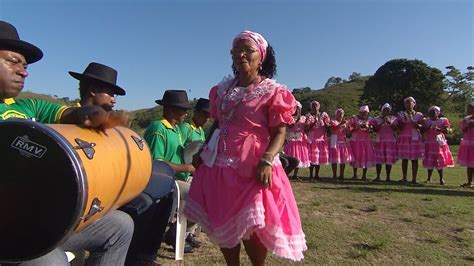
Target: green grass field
[{"x": 355, "y": 222}]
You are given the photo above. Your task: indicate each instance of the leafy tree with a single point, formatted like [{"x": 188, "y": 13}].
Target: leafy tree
[
  {"x": 333, "y": 81},
  {"x": 355, "y": 76},
  {"x": 301, "y": 90},
  {"x": 459, "y": 87},
  {"x": 400, "y": 78}
]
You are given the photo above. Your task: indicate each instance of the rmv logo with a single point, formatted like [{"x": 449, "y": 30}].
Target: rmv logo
[{"x": 28, "y": 147}]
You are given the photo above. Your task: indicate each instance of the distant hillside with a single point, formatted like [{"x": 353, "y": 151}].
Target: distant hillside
[
  {"x": 345, "y": 95},
  {"x": 49, "y": 98}
]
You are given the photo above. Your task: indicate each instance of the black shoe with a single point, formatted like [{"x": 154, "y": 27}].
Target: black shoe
[
  {"x": 170, "y": 238},
  {"x": 172, "y": 242},
  {"x": 187, "y": 248},
  {"x": 191, "y": 240}
]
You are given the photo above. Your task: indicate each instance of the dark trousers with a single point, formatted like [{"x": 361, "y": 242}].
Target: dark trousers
[{"x": 150, "y": 218}]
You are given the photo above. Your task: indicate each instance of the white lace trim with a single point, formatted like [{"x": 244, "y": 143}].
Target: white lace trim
[{"x": 248, "y": 221}]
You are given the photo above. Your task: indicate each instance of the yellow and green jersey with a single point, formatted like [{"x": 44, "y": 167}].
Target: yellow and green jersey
[{"x": 35, "y": 109}]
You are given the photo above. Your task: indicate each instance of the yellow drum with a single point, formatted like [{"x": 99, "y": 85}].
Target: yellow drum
[{"x": 57, "y": 179}]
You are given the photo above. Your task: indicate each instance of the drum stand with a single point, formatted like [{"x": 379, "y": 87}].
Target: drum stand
[{"x": 181, "y": 224}]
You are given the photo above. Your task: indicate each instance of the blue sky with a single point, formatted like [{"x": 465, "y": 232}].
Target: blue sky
[{"x": 158, "y": 45}]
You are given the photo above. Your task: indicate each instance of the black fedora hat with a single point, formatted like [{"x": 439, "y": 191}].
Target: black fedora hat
[
  {"x": 178, "y": 98},
  {"x": 9, "y": 40},
  {"x": 202, "y": 104},
  {"x": 102, "y": 73}
]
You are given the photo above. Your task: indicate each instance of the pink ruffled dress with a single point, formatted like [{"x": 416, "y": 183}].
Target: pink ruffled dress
[
  {"x": 340, "y": 151},
  {"x": 361, "y": 144},
  {"x": 297, "y": 143},
  {"x": 385, "y": 149},
  {"x": 466, "y": 149},
  {"x": 317, "y": 140},
  {"x": 437, "y": 154},
  {"x": 226, "y": 199},
  {"x": 410, "y": 145}
]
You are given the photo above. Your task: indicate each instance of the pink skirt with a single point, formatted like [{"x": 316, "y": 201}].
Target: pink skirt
[
  {"x": 341, "y": 154},
  {"x": 437, "y": 156},
  {"x": 409, "y": 149},
  {"x": 385, "y": 152},
  {"x": 299, "y": 150},
  {"x": 318, "y": 152},
  {"x": 231, "y": 208},
  {"x": 466, "y": 154},
  {"x": 363, "y": 153}
]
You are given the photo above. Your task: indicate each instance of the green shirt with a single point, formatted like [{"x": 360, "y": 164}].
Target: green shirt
[
  {"x": 39, "y": 110},
  {"x": 166, "y": 144},
  {"x": 191, "y": 132}
]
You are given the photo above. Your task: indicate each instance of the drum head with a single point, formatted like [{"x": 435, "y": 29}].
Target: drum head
[{"x": 41, "y": 190}]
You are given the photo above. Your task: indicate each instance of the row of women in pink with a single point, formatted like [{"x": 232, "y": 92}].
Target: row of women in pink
[
  {"x": 362, "y": 152},
  {"x": 466, "y": 149},
  {"x": 240, "y": 191},
  {"x": 432, "y": 147}
]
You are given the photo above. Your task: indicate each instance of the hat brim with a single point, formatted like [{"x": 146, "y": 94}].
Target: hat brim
[
  {"x": 29, "y": 51},
  {"x": 206, "y": 109},
  {"x": 79, "y": 76},
  {"x": 181, "y": 105}
]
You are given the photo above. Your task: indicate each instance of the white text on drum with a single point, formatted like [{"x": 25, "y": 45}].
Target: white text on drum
[{"x": 28, "y": 147}]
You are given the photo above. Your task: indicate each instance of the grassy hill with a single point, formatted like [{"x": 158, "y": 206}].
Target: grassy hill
[
  {"x": 345, "y": 95},
  {"x": 49, "y": 98}
]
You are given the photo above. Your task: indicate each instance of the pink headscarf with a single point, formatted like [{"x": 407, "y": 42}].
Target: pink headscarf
[{"x": 258, "y": 39}]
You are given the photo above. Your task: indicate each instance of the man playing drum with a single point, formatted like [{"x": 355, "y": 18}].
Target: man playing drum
[
  {"x": 106, "y": 239},
  {"x": 97, "y": 86}
]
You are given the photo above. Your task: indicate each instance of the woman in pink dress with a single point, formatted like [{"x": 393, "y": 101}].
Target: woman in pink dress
[
  {"x": 385, "y": 150},
  {"x": 466, "y": 149},
  {"x": 240, "y": 191},
  {"x": 361, "y": 144},
  {"x": 296, "y": 144},
  {"x": 437, "y": 154},
  {"x": 316, "y": 124},
  {"x": 409, "y": 143},
  {"x": 339, "y": 150}
]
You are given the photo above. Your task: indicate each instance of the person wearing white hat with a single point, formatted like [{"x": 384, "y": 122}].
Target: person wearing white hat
[
  {"x": 316, "y": 125},
  {"x": 361, "y": 144},
  {"x": 340, "y": 151},
  {"x": 385, "y": 150},
  {"x": 466, "y": 149},
  {"x": 437, "y": 154},
  {"x": 409, "y": 143}
]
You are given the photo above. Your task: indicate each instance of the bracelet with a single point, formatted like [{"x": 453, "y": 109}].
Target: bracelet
[
  {"x": 269, "y": 153},
  {"x": 265, "y": 161}
]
